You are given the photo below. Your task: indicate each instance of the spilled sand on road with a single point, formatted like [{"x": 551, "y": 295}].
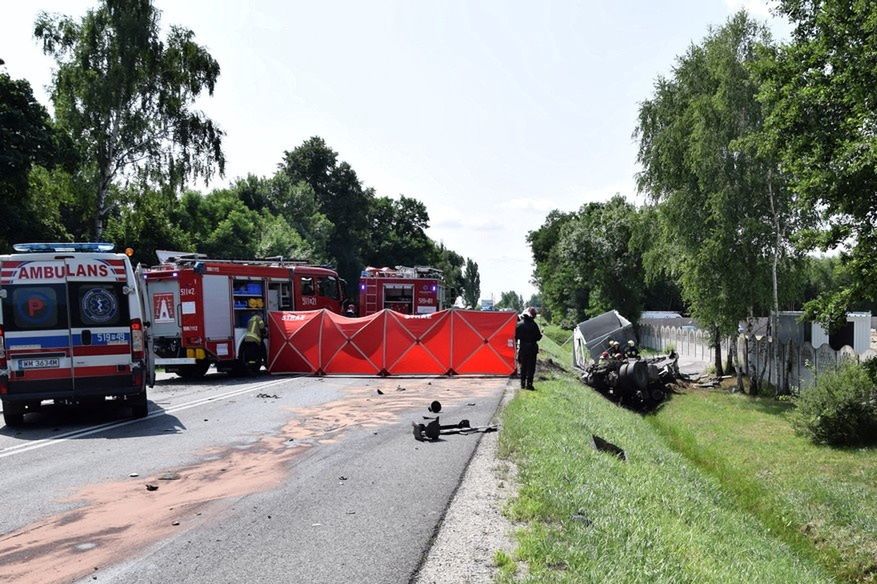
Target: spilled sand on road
[{"x": 115, "y": 521}]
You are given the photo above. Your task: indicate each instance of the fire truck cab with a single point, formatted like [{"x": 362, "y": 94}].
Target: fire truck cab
[
  {"x": 416, "y": 290},
  {"x": 71, "y": 329},
  {"x": 200, "y": 308}
]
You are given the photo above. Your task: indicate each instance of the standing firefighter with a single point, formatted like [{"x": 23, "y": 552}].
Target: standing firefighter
[
  {"x": 253, "y": 348},
  {"x": 527, "y": 334}
]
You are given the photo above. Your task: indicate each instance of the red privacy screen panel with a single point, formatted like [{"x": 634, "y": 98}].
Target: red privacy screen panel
[{"x": 463, "y": 342}]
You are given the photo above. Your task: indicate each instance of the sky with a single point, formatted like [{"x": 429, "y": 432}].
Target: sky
[{"x": 492, "y": 113}]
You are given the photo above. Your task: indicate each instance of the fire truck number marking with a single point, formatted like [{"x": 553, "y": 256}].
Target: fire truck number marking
[
  {"x": 163, "y": 307},
  {"x": 187, "y": 291},
  {"x": 309, "y": 301}
]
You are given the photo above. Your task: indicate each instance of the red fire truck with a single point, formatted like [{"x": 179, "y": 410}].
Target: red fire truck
[
  {"x": 415, "y": 290},
  {"x": 199, "y": 307}
]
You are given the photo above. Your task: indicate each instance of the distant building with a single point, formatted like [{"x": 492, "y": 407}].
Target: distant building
[
  {"x": 856, "y": 332},
  {"x": 662, "y": 314}
]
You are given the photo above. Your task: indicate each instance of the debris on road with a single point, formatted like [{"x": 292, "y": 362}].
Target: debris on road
[
  {"x": 169, "y": 476},
  {"x": 267, "y": 396},
  {"x": 151, "y": 487},
  {"x": 134, "y": 475},
  {"x": 432, "y": 431},
  {"x": 380, "y": 392}
]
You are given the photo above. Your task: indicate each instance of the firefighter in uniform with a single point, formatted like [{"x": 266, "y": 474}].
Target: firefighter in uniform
[
  {"x": 253, "y": 348},
  {"x": 631, "y": 352},
  {"x": 527, "y": 335}
]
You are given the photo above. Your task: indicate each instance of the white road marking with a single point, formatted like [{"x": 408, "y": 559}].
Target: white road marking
[{"x": 22, "y": 448}]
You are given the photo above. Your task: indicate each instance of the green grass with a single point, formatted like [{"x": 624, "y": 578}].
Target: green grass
[
  {"x": 557, "y": 334},
  {"x": 658, "y": 517},
  {"x": 589, "y": 517},
  {"x": 821, "y": 501}
]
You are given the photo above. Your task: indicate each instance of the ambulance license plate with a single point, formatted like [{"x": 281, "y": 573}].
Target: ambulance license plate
[{"x": 39, "y": 363}]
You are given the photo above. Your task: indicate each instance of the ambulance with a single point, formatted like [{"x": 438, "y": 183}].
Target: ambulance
[
  {"x": 200, "y": 307},
  {"x": 71, "y": 329}
]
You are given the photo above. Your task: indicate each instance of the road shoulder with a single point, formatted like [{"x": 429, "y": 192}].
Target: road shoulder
[{"x": 474, "y": 528}]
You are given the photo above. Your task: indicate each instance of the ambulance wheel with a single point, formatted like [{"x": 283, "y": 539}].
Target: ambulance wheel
[
  {"x": 139, "y": 406},
  {"x": 195, "y": 371},
  {"x": 13, "y": 414}
]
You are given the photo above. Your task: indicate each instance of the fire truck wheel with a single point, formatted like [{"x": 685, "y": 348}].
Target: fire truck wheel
[
  {"x": 139, "y": 407},
  {"x": 13, "y": 413},
  {"x": 195, "y": 371}
]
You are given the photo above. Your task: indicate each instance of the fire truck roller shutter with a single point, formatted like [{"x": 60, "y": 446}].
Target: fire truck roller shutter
[{"x": 217, "y": 303}]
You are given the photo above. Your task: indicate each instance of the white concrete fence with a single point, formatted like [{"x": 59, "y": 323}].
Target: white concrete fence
[{"x": 797, "y": 366}]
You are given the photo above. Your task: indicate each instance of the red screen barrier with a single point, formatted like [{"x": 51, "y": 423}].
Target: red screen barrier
[{"x": 461, "y": 342}]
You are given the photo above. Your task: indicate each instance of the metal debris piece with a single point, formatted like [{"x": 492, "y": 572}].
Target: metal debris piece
[
  {"x": 169, "y": 476},
  {"x": 580, "y": 518},
  {"x": 380, "y": 392},
  {"x": 151, "y": 487},
  {"x": 434, "y": 429},
  {"x": 602, "y": 445}
]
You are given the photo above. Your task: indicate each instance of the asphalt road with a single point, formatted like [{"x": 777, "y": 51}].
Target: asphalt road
[{"x": 267, "y": 479}]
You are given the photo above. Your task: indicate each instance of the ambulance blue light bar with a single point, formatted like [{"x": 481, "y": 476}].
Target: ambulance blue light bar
[{"x": 63, "y": 247}]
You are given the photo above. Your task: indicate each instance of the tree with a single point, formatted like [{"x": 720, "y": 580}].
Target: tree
[
  {"x": 451, "y": 264},
  {"x": 562, "y": 298},
  {"x": 511, "y": 299},
  {"x": 587, "y": 262},
  {"x": 596, "y": 250},
  {"x": 341, "y": 198},
  {"x": 822, "y": 118},
  {"x": 125, "y": 97},
  {"x": 29, "y": 143},
  {"x": 471, "y": 285},
  {"x": 725, "y": 211},
  {"x": 397, "y": 233},
  {"x": 145, "y": 222}
]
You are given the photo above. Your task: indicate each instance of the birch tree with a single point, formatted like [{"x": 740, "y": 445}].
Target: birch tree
[{"x": 125, "y": 96}]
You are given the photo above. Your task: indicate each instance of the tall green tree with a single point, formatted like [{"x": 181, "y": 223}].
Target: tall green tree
[
  {"x": 397, "y": 233},
  {"x": 725, "y": 208},
  {"x": 471, "y": 284},
  {"x": 29, "y": 143},
  {"x": 341, "y": 197},
  {"x": 511, "y": 299},
  {"x": 125, "y": 96},
  {"x": 596, "y": 251},
  {"x": 451, "y": 264},
  {"x": 823, "y": 120},
  {"x": 562, "y": 298}
]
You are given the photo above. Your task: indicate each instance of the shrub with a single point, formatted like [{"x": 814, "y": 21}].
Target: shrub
[{"x": 841, "y": 409}]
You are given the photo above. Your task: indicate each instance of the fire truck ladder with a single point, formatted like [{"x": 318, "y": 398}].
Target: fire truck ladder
[{"x": 371, "y": 296}]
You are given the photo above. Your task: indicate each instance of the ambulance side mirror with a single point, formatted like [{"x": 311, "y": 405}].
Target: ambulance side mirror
[{"x": 127, "y": 290}]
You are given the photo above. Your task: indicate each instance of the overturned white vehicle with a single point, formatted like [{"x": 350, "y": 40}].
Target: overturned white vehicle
[{"x": 627, "y": 379}]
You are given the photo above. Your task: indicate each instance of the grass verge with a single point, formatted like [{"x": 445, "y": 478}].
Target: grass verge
[
  {"x": 590, "y": 517},
  {"x": 821, "y": 501}
]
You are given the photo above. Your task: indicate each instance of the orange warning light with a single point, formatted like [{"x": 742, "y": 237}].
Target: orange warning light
[{"x": 129, "y": 251}]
